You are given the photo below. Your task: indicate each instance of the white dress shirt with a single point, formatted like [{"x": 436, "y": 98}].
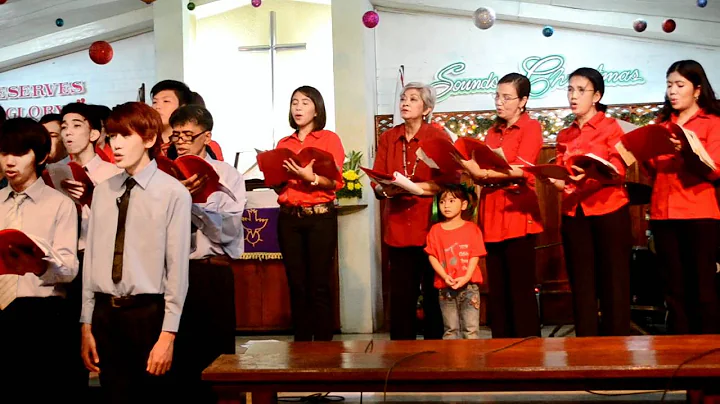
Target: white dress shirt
[
  {"x": 50, "y": 218},
  {"x": 157, "y": 242},
  {"x": 99, "y": 171},
  {"x": 219, "y": 220}
]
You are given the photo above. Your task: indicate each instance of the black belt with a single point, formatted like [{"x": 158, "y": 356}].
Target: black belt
[
  {"x": 302, "y": 211},
  {"x": 219, "y": 260},
  {"x": 128, "y": 301}
]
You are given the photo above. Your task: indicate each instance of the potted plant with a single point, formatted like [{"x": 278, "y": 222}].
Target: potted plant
[{"x": 351, "y": 192}]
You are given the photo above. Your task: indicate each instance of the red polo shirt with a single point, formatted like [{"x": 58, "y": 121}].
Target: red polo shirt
[
  {"x": 406, "y": 218},
  {"x": 598, "y": 136},
  {"x": 299, "y": 192},
  {"x": 505, "y": 213},
  {"x": 679, "y": 193}
]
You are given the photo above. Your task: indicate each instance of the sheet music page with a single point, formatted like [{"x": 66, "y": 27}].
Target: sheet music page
[
  {"x": 499, "y": 151},
  {"x": 698, "y": 148},
  {"x": 603, "y": 162},
  {"x": 405, "y": 183},
  {"x": 425, "y": 159}
]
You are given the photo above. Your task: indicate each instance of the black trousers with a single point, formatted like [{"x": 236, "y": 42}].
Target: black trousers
[
  {"x": 410, "y": 270},
  {"x": 207, "y": 329},
  {"x": 80, "y": 376},
  {"x": 308, "y": 246},
  {"x": 597, "y": 257},
  {"x": 686, "y": 251},
  {"x": 124, "y": 338},
  {"x": 511, "y": 277},
  {"x": 37, "y": 355}
]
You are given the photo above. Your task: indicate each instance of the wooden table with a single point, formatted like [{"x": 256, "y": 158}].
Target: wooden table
[{"x": 540, "y": 364}]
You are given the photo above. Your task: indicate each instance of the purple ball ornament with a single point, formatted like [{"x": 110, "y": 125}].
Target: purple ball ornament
[
  {"x": 256, "y": 3},
  {"x": 371, "y": 19},
  {"x": 640, "y": 25}
]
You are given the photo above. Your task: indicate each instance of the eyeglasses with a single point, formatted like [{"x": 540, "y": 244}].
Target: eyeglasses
[
  {"x": 581, "y": 91},
  {"x": 184, "y": 137},
  {"x": 503, "y": 99}
]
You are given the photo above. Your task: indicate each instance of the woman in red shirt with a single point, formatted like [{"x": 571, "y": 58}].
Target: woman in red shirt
[
  {"x": 406, "y": 218},
  {"x": 596, "y": 231},
  {"x": 307, "y": 225},
  {"x": 509, "y": 213},
  {"x": 684, "y": 209}
]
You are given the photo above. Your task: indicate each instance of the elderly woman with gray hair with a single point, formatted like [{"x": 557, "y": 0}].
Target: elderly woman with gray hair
[{"x": 406, "y": 217}]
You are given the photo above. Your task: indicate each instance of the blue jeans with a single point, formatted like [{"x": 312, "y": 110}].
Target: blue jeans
[{"x": 461, "y": 311}]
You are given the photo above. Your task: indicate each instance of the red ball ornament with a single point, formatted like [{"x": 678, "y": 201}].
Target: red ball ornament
[
  {"x": 669, "y": 25},
  {"x": 3, "y": 2},
  {"x": 148, "y": 1},
  {"x": 371, "y": 19},
  {"x": 101, "y": 52}
]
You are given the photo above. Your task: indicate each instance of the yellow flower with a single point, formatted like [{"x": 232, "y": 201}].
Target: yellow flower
[
  {"x": 358, "y": 185},
  {"x": 350, "y": 175},
  {"x": 350, "y": 186}
]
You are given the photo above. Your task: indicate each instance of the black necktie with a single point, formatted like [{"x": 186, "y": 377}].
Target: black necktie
[{"x": 123, "y": 203}]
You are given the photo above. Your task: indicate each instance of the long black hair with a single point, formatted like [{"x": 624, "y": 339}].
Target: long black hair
[
  {"x": 694, "y": 73},
  {"x": 522, "y": 87},
  {"x": 597, "y": 81}
]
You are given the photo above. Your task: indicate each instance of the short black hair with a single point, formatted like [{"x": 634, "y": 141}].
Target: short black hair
[
  {"x": 317, "y": 99},
  {"x": 20, "y": 135},
  {"x": 51, "y": 118},
  {"x": 84, "y": 111},
  {"x": 196, "y": 114},
  {"x": 2, "y": 115},
  {"x": 102, "y": 112},
  {"x": 198, "y": 99},
  {"x": 181, "y": 90}
]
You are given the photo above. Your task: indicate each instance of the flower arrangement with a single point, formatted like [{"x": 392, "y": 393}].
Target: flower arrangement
[{"x": 351, "y": 175}]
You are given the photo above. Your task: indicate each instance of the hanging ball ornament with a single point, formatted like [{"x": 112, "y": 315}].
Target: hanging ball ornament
[
  {"x": 148, "y": 1},
  {"x": 640, "y": 25},
  {"x": 3, "y": 2},
  {"x": 191, "y": 6},
  {"x": 669, "y": 25},
  {"x": 371, "y": 19},
  {"x": 484, "y": 18},
  {"x": 101, "y": 52},
  {"x": 548, "y": 31},
  {"x": 256, "y": 3},
  {"x": 59, "y": 22},
  {"x": 701, "y": 3}
]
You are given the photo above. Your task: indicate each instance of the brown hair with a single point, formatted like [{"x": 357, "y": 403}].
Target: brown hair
[
  {"x": 317, "y": 99},
  {"x": 138, "y": 118}
]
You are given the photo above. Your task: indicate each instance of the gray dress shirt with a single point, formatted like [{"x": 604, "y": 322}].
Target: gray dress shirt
[{"x": 157, "y": 242}]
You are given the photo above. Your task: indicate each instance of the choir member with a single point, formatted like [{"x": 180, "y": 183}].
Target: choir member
[
  {"x": 406, "y": 217},
  {"x": 596, "y": 230},
  {"x": 80, "y": 131},
  {"x": 136, "y": 264},
  {"x": 35, "y": 333},
  {"x": 509, "y": 213},
  {"x": 684, "y": 210},
  {"x": 207, "y": 327},
  {"x": 307, "y": 225},
  {"x": 52, "y": 123}
]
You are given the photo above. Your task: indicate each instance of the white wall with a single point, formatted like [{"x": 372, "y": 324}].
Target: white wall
[
  {"x": 426, "y": 43},
  {"x": 133, "y": 63},
  {"x": 236, "y": 85}
]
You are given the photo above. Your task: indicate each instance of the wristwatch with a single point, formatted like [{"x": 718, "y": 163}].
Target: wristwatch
[{"x": 316, "y": 181}]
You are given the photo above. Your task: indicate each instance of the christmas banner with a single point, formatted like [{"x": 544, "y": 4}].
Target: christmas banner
[{"x": 261, "y": 239}]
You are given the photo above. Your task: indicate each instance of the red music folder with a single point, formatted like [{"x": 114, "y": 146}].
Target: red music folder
[
  {"x": 695, "y": 156},
  {"x": 55, "y": 174},
  {"x": 396, "y": 179},
  {"x": 185, "y": 167},
  {"x": 604, "y": 168},
  {"x": 444, "y": 155},
  {"x": 19, "y": 254},
  {"x": 548, "y": 170},
  {"x": 271, "y": 164},
  {"x": 645, "y": 143}
]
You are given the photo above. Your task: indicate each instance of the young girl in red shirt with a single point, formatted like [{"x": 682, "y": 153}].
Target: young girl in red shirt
[{"x": 454, "y": 248}]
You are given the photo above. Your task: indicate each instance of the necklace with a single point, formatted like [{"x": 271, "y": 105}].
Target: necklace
[{"x": 405, "y": 168}]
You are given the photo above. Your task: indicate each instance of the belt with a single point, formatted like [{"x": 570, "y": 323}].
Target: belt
[
  {"x": 302, "y": 211},
  {"x": 219, "y": 260},
  {"x": 128, "y": 301},
  {"x": 508, "y": 186}
]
